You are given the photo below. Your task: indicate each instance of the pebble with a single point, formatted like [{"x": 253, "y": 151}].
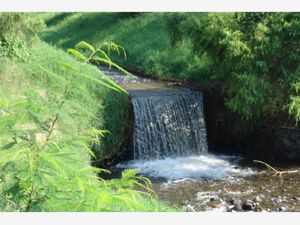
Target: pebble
[
  {"x": 296, "y": 198},
  {"x": 248, "y": 205},
  {"x": 282, "y": 209},
  {"x": 277, "y": 200},
  {"x": 215, "y": 205},
  {"x": 257, "y": 199},
  {"x": 235, "y": 201},
  {"x": 256, "y": 203},
  {"x": 235, "y": 205},
  {"x": 237, "y": 208}
]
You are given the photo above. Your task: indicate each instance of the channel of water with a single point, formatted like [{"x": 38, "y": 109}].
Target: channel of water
[{"x": 169, "y": 146}]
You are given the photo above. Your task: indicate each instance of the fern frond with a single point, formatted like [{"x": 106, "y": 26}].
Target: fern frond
[
  {"x": 107, "y": 62},
  {"x": 85, "y": 45},
  {"x": 100, "y": 82},
  {"x": 77, "y": 54},
  {"x": 67, "y": 66}
]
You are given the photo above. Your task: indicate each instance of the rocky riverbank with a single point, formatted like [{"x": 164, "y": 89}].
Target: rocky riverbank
[{"x": 257, "y": 193}]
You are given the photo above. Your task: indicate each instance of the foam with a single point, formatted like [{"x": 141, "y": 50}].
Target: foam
[{"x": 206, "y": 166}]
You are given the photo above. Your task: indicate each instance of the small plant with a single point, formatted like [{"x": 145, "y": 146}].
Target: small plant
[
  {"x": 18, "y": 30},
  {"x": 254, "y": 59},
  {"x": 44, "y": 163}
]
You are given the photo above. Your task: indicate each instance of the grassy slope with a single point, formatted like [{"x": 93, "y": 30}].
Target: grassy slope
[
  {"x": 71, "y": 183},
  {"x": 144, "y": 36}
]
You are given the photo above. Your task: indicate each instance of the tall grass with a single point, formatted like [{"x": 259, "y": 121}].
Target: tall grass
[
  {"x": 49, "y": 115},
  {"x": 144, "y": 36}
]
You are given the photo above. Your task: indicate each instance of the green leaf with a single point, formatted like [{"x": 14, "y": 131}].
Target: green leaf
[
  {"x": 85, "y": 45},
  {"x": 77, "y": 54},
  {"x": 67, "y": 66},
  {"x": 110, "y": 86}
]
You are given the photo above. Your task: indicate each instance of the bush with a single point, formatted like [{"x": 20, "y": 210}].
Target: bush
[
  {"x": 50, "y": 110},
  {"x": 17, "y": 31},
  {"x": 254, "y": 57}
]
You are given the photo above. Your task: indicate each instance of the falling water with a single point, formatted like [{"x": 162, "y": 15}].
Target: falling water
[
  {"x": 170, "y": 147},
  {"x": 168, "y": 124},
  {"x": 169, "y": 134}
]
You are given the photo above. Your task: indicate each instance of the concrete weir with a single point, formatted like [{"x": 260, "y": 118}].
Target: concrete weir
[{"x": 168, "y": 121}]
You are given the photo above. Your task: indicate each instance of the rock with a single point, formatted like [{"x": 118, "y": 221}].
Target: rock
[
  {"x": 257, "y": 199},
  {"x": 277, "y": 200},
  {"x": 248, "y": 205},
  {"x": 235, "y": 201},
  {"x": 282, "y": 209},
  {"x": 286, "y": 142},
  {"x": 215, "y": 205},
  {"x": 235, "y": 205},
  {"x": 294, "y": 136},
  {"x": 230, "y": 209},
  {"x": 256, "y": 203}
]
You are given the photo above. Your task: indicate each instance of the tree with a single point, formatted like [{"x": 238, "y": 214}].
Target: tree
[{"x": 255, "y": 58}]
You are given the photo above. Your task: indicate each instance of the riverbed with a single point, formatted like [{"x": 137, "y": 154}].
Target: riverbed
[
  {"x": 209, "y": 181},
  {"x": 221, "y": 183}
]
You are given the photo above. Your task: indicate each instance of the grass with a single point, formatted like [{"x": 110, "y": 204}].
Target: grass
[
  {"x": 144, "y": 36},
  {"x": 58, "y": 176}
]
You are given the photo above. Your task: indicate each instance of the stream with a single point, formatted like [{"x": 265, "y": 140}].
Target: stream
[{"x": 169, "y": 146}]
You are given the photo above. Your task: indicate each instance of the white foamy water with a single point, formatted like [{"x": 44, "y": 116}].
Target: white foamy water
[{"x": 216, "y": 167}]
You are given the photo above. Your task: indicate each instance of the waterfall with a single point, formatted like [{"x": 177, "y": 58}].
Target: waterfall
[
  {"x": 169, "y": 134},
  {"x": 168, "y": 124}
]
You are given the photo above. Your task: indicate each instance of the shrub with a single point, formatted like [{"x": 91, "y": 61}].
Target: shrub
[
  {"x": 48, "y": 114},
  {"x": 17, "y": 30},
  {"x": 254, "y": 57}
]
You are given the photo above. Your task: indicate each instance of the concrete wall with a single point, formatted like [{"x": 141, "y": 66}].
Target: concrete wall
[{"x": 227, "y": 133}]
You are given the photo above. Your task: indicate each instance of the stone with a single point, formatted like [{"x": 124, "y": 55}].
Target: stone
[
  {"x": 215, "y": 205},
  {"x": 282, "y": 209},
  {"x": 234, "y": 208},
  {"x": 294, "y": 136},
  {"x": 237, "y": 207},
  {"x": 256, "y": 203},
  {"x": 286, "y": 142},
  {"x": 212, "y": 199},
  {"x": 235, "y": 201},
  {"x": 248, "y": 205},
  {"x": 257, "y": 199}
]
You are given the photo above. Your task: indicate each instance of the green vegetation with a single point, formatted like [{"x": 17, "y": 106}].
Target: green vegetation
[
  {"x": 57, "y": 113},
  {"x": 144, "y": 36},
  {"x": 53, "y": 109},
  {"x": 253, "y": 58}
]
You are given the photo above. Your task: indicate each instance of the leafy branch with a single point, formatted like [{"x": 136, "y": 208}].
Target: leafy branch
[{"x": 40, "y": 173}]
